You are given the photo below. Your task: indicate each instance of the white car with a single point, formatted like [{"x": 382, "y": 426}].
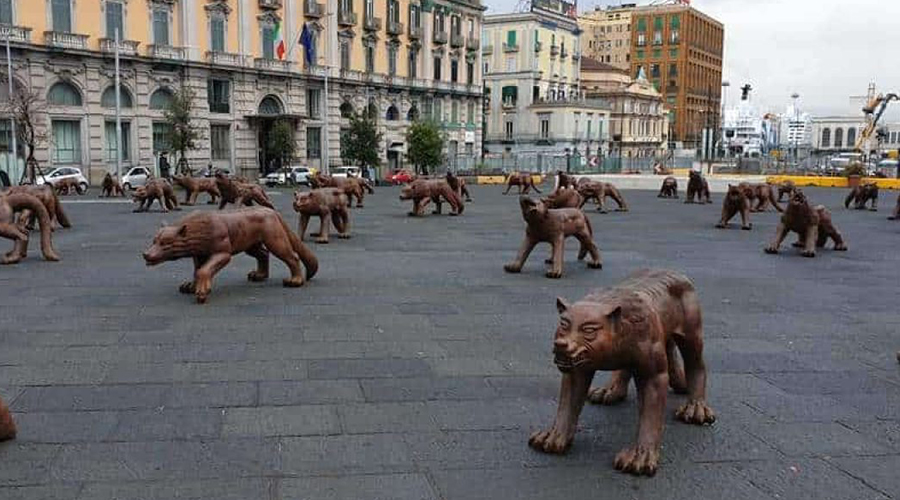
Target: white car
[
  {"x": 58, "y": 174},
  {"x": 293, "y": 175},
  {"x": 345, "y": 172},
  {"x": 300, "y": 175},
  {"x": 135, "y": 178}
]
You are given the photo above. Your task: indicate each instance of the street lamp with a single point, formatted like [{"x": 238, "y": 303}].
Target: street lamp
[{"x": 725, "y": 85}]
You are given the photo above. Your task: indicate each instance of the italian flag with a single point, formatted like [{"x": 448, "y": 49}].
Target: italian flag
[{"x": 280, "y": 49}]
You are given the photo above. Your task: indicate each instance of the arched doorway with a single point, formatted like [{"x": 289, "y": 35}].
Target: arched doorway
[{"x": 269, "y": 112}]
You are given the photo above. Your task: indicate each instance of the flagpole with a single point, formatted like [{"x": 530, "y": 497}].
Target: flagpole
[{"x": 118, "y": 116}]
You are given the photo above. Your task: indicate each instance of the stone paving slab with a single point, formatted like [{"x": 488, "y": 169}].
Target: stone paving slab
[{"x": 413, "y": 367}]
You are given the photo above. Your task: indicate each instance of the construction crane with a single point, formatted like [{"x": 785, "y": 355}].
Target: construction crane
[{"x": 874, "y": 109}]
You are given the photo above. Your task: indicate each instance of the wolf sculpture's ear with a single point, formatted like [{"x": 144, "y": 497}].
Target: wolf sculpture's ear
[{"x": 561, "y": 305}]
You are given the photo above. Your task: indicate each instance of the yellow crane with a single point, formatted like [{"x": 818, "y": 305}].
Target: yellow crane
[{"x": 874, "y": 109}]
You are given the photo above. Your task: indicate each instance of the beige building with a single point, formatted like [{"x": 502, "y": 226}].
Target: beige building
[
  {"x": 531, "y": 75},
  {"x": 402, "y": 59},
  {"x": 639, "y": 121},
  {"x": 606, "y": 35}
]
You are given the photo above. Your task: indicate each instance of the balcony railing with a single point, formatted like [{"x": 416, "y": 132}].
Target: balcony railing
[
  {"x": 456, "y": 40},
  {"x": 415, "y": 32},
  {"x": 15, "y": 33},
  {"x": 507, "y": 47},
  {"x": 346, "y": 18},
  {"x": 440, "y": 37},
  {"x": 372, "y": 23},
  {"x": 394, "y": 28},
  {"x": 223, "y": 58},
  {"x": 538, "y": 46},
  {"x": 166, "y": 52},
  {"x": 509, "y": 103},
  {"x": 473, "y": 42},
  {"x": 311, "y": 8},
  {"x": 267, "y": 64},
  {"x": 126, "y": 47},
  {"x": 487, "y": 49},
  {"x": 554, "y": 50},
  {"x": 65, "y": 40}
]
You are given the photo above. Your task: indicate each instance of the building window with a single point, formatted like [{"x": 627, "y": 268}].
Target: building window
[
  {"x": 641, "y": 40},
  {"x": 640, "y": 55},
  {"x": 62, "y": 15},
  {"x": 218, "y": 96},
  {"x": 161, "y": 100},
  {"x": 675, "y": 22},
  {"x": 413, "y": 63},
  {"x": 654, "y": 70},
  {"x": 345, "y": 54},
  {"x": 392, "y": 60},
  {"x": 111, "y": 141},
  {"x": 393, "y": 114},
  {"x": 217, "y": 33},
  {"x": 439, "y": 109},
  {"x": 108, "y": 99},
  {"x": 162, "y": 137},
  {"x": 642, "y": 24},
  {"x": 511, "y": 38},
  {"x": 415, "y": 19},
  {"x": 64, "y": 94},
  {"x": 428, "y": 108},
  {"x": 161, "y": 27},
  {"x": 657, "y": 53},
  {"x": 657, "y": 38},
  {"x": 313, "y": 142},
  {"x": 658, "y": 23},
  {"x": 470, "y": 112},
  {"x": 454, "y": 70},
  {"x": 673, "y": 70},
  {"x": 454, "y": 111},
  {"x": 115, "y": 15},
  {"x": 851, "y": 137},
  {"x": 509, "y": 130},
  {"x": 545, "y": 125},
  {"x": 313, "y": 100},
  {"x": 393, "y": 11},
  {"x": 369, "y": 9},
  {"x": 511, "y": 64},
  {"x": 839, "y": 138},
  {"x": 438, "y": 22},
  {"x": 826, "y": 138},
  {"x": 455, "y": 25},
  {"x": 673, "y": 53},
  {"x": 219, "y": 142},
  {"x": 674, "y": 37},
  {"x": 66, "y": 141},
  {"x": 437, "y": 68},
  {"x": 370, "y": 59},
  {"x": 6, "y": 14},
  {"x": 268, "y": 41},
  {"x": 470, "y": 73},
  {"x": 509, "y": 95}
]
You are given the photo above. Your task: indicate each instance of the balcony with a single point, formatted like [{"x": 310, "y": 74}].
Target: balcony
[
  {"x": 395, "y": 28},
  {"x": 223, "y": 58},
  {"x": 415, "y": 32},
  {"x": 487, "y": 49},
  {"x": 126, "y": 47},
  {"x": 314, "y": 9},
  {"x": 538, "y": 46},
  {"x": 456, "y": 40},
  {"x": 167, "y": 52},
  {"x": 372, "y": 23},
  {"x": 440, "y": 37},
  {"x": 266, "y": 64},
  {"x": 62, "y": 40},
  {"x": 473, "y": 42},
  {"x": 507, "y": 47},
  {"x": 16, "y": 33},
  {"x": 554, "y": 50},
  {"x": 346, "y": 18},
  {"x": 270, "y": 4}
]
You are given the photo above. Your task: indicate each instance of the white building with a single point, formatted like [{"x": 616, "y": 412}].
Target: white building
[
  {"x": 836, "y": 133},
  {"x": 742, "y": 129}
]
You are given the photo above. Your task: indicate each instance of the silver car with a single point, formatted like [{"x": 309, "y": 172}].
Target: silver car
[
  {"x": 58, "y": 174},
  {"x": 135, "y": 178}
]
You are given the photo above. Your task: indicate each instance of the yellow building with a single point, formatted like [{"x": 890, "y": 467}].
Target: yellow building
[
  {"x": 401, "y": 59},
  {"x": 606, "y": 36},
  {"x": 531, "y": 77}
]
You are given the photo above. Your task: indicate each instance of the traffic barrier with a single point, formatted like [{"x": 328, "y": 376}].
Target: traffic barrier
[{"x": 839, "y": 182}]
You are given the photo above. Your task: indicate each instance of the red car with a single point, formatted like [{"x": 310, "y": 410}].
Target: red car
[{"x": 399, "y": 177}]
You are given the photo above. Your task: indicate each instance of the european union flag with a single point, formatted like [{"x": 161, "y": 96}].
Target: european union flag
[{"x": 308, "y": 40}]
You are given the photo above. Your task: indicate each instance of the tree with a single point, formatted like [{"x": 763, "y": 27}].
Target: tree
[
  {"x": 280, "y": 143},
  {"x": 28, "y": 109},
  {"x": 179, "y": 118},
  {"x": 425, "y": 145},
  {"x": 359, "y": 145}
]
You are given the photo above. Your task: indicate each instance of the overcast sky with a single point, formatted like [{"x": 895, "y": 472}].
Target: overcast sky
[{"x": 824, "y": 50}]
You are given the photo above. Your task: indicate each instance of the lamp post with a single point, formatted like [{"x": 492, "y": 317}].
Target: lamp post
[{"x": 725, "y": 86}]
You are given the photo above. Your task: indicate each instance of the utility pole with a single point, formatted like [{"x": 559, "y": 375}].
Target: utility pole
[
  {"x": 13, "y": 156},
  {"x": 118, "y": 115}
]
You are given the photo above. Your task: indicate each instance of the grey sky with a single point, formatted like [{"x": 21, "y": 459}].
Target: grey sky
[{"x": 825, "y": 50}]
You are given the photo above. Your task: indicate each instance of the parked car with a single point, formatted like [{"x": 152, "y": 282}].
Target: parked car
[
  {"x": 300, "y": 175},
  {"x": 58, "y": 174},
  {"x": 401, "y": 176},
  {"x": 293, "y": 176},
  {"x": 225, "y": 171},
  {"x": 345, "y": 172},
  {"x": 135, "y": 178}
]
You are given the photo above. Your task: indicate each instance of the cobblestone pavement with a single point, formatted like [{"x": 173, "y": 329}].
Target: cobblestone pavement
[{"x": 412, "y": 367}]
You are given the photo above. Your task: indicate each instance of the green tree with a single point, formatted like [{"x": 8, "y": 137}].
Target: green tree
[
  {"x": 359, "y": 144},
  {"x": 280, "y": 143},
  {"x": 179, "y": 117},
  {"x": 425, "y": 145}
]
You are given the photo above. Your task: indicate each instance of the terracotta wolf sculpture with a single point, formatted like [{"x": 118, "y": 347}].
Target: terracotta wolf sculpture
[
  {"x": 329, "y": 205},
  {"x": 553, "y": 226},
  {"x": 637, "y": 329},
  {"x": 669, "y": 188},
  {"x": 353, "y": 187},
  {"x": 697, "y": 186},
  {"x": 861, "y": 195},
  {"x": 51, "y": 202},
  {"x": 12, "y": 204},
  {"x": 565, "y": 181},
  {"x": 110, "y": 187},
  {"x": 240, "y": 193},
  {"x": 786, "y": 188},
  {"x": 525, "y": 181},
  {"x": 734, "y": 202},
  {"x": 459, "y": 185},
  {"x": 421, "y": 191},
  {"x": 896, "y": 213},
  {"x": 599, "y": 191},
  {"x": 564, "y": 198},
  {"x": 812, "y": 224},
  {"x": 193, "y": 186},
  {"x": 211, "y": 238},
  {"x": 155, "y": 189},
  {"x": 762, "y": 194},
  {"x": 7, "y": 426}
]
